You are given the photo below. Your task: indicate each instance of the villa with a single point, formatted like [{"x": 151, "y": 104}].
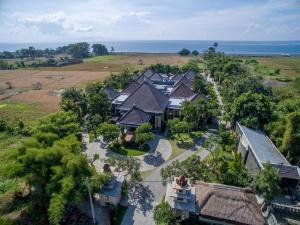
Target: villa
[
  {"x": 213, "y": 203},
  {"x": 152, "y": 98}
]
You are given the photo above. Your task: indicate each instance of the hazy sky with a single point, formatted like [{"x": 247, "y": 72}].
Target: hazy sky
[{"x": 96, "y": 20}]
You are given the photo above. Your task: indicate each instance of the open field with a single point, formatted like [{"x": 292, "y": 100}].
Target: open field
[{"x": 289, "y": 66}]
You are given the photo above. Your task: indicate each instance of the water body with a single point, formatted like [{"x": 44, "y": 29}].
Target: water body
[{"x": 159, "y": 46}]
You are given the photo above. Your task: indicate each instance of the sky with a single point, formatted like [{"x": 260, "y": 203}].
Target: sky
[{"x": 107, "y": 20}]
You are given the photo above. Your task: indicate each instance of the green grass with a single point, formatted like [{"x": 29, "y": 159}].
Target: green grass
[
  {"x": 12, "y": 110},
  {"x": 9, "y": 140},
  {"x": 104, "y": 58},
  {"x": 130, "y": 149},
  {"x": 117, "y": 215}
]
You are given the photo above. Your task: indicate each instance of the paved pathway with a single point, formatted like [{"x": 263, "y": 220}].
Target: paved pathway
[
  {"x": 142, "y": 199},
  {"x": 160, "y": 151}
]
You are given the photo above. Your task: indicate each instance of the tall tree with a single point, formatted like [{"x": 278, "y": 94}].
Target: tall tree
[
  {"x": 252, "y": 110},
  {"x": 109, "y": 132},
  {"x": 79, "y": 50},
  {"x": 163, "y": 214},
  {"x": 99, "y": 49}
]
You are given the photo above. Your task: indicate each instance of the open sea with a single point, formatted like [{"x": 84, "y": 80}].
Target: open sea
[{"x": 172, "y": 46}]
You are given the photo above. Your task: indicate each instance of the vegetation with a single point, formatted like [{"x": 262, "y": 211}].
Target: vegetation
[
  {"x": 184, "y": 52},
  {"x": 143, "y": 134},
  {"x": 128, "y": 149},
  {"x": 268, "y": 182},
  {"x": 163, "y": 214},
  {"x": 99, "y": 49},
  {"x": 109, "y": 132}
]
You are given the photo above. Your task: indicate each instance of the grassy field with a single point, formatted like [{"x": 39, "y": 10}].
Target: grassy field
[{"x": 19, "y": 100}]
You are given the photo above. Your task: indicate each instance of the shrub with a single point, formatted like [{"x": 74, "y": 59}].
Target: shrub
[{"x": 184, "y": 52}]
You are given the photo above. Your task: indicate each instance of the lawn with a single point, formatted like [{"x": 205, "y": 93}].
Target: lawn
[
  {"x": 129, "y": 149},
  {"x": 104, "y": 58}
]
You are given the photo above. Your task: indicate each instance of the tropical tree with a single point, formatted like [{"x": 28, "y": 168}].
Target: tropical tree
[
  {"x": 268, "y": 182},
  {"x": 199, "y": 84},
  {"x": 75, "y": 100},
  {"x": 163, "y": 214},
  {"x": 195, "y": 52},
  {"x": 176, "y": 127},
  {"x": 143, "y": 134},
  {"x": 79, "y": 50},
  {"x": 129, "y": 165},
  {"x": 99, "y": 49},
  {"x": 252, "y": 110},
  {"x": 94, "y": 124},
  {"x": 109, "y": 132},
  {"x": 99, "y": 103}
]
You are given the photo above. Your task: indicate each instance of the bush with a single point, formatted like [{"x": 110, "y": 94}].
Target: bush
[
  {"x": 195, "y": 52},
  {"x": 184, "y": 52}
]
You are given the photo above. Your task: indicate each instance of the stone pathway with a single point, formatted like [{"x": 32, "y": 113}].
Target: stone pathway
[
  {"x": 143, "y": 198},
  {"x": 160, "y": 151}
]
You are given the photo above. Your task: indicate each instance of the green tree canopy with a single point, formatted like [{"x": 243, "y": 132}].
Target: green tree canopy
[
  {"x": 109, "y": 132},
  {"x": 268, "y": 182},
  {"x": 99, "y": 49},
  {"x": 184, "y": 52},
  {"x": 143, "y": 134},
  {"x": 199, "y": 84},
  {"x": 195, "y": 52},
  {"x": 252, "y": 110},
  {"x": 163, "y": 214},
  {"x": 79, "y": 50}
]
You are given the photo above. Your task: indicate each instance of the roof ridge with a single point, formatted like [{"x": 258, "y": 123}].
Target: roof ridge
[{"x": 154, "y": 90}]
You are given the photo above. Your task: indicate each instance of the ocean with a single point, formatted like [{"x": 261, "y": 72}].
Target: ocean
[{"x": 172, "y": 46}]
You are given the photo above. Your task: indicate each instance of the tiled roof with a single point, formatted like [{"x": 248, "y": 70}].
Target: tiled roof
[
  {"x": 184, "y": 80},
  {"x": 111, "y": 93},
  {"x": 181, "y": 91},
  {"x": 292, "y": 172},
  {"x": 135, "y": 117},
  {"x": 147, "y": 98},
  {"x": 263, "y": 148},
  {"x": 229, "y": 204},
  {"x": 190, "y": 74},
  {"x": 130, "y": 87}
]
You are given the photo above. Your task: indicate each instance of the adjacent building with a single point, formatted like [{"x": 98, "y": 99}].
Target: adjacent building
[{"x": 213, "y": 203}]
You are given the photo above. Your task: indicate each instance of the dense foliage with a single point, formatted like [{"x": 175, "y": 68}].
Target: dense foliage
[
  {"x": 143, "y": 134},
  {"x": 99, "y": 49},
  {"x": 163, "y": 214}
]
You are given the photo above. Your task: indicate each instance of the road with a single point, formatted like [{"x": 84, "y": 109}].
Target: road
[{"x": 142, "y": 199}]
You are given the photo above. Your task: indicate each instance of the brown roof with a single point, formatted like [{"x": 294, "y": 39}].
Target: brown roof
[
  {"x": 181, "y": 91},
  {"x": 134, "y": 117},
  {"x": 130, "y": 88},
  {"x": 176, "y": 77},
  {"x": 190, "y": 74},
  {"x": 142, "y": 78},
  {"x": 227, "y": 203}
]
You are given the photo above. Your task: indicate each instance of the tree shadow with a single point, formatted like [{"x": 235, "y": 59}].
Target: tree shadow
[
  {"x": 141, "y": 197},
  {"x": 154, "y": 159}
]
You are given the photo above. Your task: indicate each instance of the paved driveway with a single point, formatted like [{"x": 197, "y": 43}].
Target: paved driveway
[{"x": 143, "y": 198}]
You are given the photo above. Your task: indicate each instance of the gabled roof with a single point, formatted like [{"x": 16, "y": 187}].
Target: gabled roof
[
  {"x": 111, "y": 93},
  {"x": 263, "y": 148},
  {"x": 226, "y": 203},
  {"x": 148, "y": 73},
  {"x": 184, "y": 80},
  {"x": 181, "y": 91},
  {"x": 198, "y": 96},
  {"x": 292, "y": 172},
  {"x": 131, "y": 87},
  {"x": 134, "y": 117},
  {"x": 147, "y": 98},
  {"x": 190, "y": 74},
  {"x": 142, "y": 78},
  {"x": 176, "y": 77},
  {"x": 156, "y": 77}
]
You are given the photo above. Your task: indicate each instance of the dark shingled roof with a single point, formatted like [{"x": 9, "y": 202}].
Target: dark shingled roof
[
  {"x": 176, "y": 77},
  {"x": 190, "y": 74},
  {"x": 229, "y": 204},
  {"x": 147, "y": 98},
  {"x": 141, "y": 79},
  {"x": 292, "y": 172},
  {"x": 184, "y": 80},
  {"x": 111, "y": 93},
  {"x": 148, "y": 73},
  {"x": 131, "y": 87},
  {"x": 134, "y": 117},
  {"x": 156, "y": 77},
  {"x": 198, "y": 96},
  {"x": 263, "y": 148},
  {"x": 181, "y": 91}
]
